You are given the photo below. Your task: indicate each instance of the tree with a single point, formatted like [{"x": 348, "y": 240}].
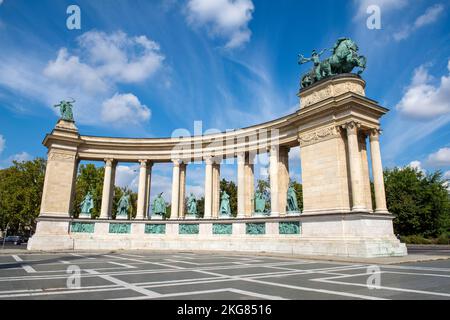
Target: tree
[
  {"x": 419, "y": 202},
  {"x": 21, "y": 188}
]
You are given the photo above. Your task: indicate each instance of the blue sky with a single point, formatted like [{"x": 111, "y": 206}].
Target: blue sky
[{"x": 146, "y": 68}]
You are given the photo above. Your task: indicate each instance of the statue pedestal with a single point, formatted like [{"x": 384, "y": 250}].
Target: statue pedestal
[
  {"x": 156, "y": 217},
  {"x": 190, "y": 217},
  {"x": 226, "y": 217},
  {"x": 260, "y": 214},
  {"x": 121, "y": 217},
  {"x": 294, "y": 213},
  {"x": 85, "y": 216}
]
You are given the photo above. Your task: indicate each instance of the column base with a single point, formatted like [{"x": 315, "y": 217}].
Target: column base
[{"x": 360, "y": 209}]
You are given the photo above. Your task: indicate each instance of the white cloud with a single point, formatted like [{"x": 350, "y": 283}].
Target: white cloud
[
  {"x": 417, "y": 165},
  {"x": 1, "y": 1},
  {"x": 225, "y": 18},
  {"x": 124, "y": 109},
  {"x": 19, "y": 157},
  {"x": 385, "y": 6},
  {"x": 424, "y": 100},
  {"x": 102, "y": 61},
  {"x": 127, "y": 176},
  {"x": 2, "y": 142},
  {"x": 447, "y": 175},
  {"x": 122, "y": 58},
  {"x": 440, "y": 158},
  {"x": 68, "y": 70},
  {"x": 429, "y": 17}
]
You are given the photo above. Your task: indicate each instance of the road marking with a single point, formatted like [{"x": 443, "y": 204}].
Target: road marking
[
  {"x": 328, "y": 280},
  {"x": 146, "y": 262},
  {"x": 238, "y": 291},
  {"x": 339, "y": 293},
  {"x": 123, "y": 265},
  {"x": 126, "y": 285},
  {"x": 26, "y": 267},
  {"x": 81, "y": 256}
]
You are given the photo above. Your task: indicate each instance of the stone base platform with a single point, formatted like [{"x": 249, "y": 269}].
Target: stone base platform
[{"x": 344, "y": 235}]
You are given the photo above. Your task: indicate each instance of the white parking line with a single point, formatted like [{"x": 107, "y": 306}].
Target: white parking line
[
  {"x": 339, "y": 293},
  {"x": 126, "y": 285},
  {"x": 123, "y": 265},
  {"x": 147, "y": 262},
  {"x": 328, "y": 280},
  {"x": 26, "y": 267}
]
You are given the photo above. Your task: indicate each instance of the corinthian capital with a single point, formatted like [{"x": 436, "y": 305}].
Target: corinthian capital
[
  {"x": 374, "y": 134},
  {"x": 351, "y": 127}
]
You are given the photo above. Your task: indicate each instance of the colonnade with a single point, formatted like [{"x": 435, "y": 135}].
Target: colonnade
[{"x": 359, "y": 184}]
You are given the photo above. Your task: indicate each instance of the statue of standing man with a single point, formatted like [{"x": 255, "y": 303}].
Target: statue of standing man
[
  {"x": 159, "y": 206},
  {"x": 292, "y": 204},
  {"x": 86, "y": 206},
  {"x": 260, "y": 203},
  {"x": 192, "y": 206},
  {"x": 123, "y": 207},
  {"x": 225, "y": 209},
  {"x": 315, "y": 59}
]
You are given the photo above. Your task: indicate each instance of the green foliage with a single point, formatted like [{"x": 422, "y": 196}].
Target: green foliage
[
  {"x": 419, "y": 202},
  {"x": 230, "y": 188},
  {"x": 201, "y": 207},
  {"x": 418, "y": 239},
  {"x": 21, "y": 188}
]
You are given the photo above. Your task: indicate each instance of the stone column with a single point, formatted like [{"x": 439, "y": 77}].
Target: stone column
[
  {"x": 241, "y": 185},
  {"x": 365, "y": 168},
  {"x": 108, "y": 185},
  {"x": 208, "y": 188},
  {"x": 216, "y": 191},
  {"x": 175, "y": 190},
  {"x": 377, "y": 171},
  {"x": 182, "y": 190},
  {"x": 283, "y": 179},
  {"x": 148, "y": 190},
  {"x": 356, "y": 173},
  {"x": 249, "y": 186},
  {"x": 142, "y": 190},
  {"x": 273, "y": 173}
]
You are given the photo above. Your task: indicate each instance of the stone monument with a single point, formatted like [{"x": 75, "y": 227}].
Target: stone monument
[{"x": 333, "y": 127}]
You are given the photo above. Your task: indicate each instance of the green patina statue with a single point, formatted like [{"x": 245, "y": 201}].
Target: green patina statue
[
  {"x": 192, "y": 205},
  {"x": 292, "y": 204},
  {"x": 87, "y": 205},
  {"x": 344, "y": 59},
  {"x": 260, "y": 202},
  {"x": 65, "y": 109},
  {"x": 123, "y": 206},
  {"x": 159, "y": 205},
  {"x": 225, "y": 209}
]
